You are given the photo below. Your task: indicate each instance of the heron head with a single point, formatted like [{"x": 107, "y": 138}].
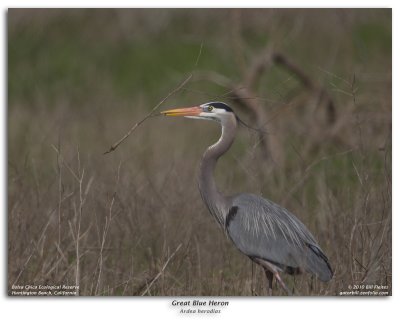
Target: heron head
[{"x": 217, "y": 111}]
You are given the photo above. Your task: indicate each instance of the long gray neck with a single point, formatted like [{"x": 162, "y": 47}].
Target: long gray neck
[{"x": 217, "y": 203}]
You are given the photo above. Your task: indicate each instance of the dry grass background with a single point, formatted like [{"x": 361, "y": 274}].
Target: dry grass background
[{"x": 132, "y": 222}]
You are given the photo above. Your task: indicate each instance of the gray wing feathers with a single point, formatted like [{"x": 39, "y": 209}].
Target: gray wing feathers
[{"x": 262, "y": 229}]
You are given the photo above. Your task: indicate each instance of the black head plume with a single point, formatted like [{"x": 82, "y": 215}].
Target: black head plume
[{"x": 221, "y": 105}]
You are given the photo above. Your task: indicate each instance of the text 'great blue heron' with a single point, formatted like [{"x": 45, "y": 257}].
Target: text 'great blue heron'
[{"x": 264, "y": 231}]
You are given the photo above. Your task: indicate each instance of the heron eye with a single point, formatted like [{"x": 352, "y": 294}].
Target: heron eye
[{"x": 210, "y": 108}]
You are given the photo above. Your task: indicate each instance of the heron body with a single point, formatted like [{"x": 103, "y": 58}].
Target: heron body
[{"x": 267, "y": 233}]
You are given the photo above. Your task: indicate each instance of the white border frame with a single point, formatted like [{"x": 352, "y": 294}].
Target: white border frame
[{"x": 138, "y": 308}]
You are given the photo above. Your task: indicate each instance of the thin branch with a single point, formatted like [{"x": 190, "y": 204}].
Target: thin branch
[
  {"x": 281, "y": 59},
  {"x": 258, "y": 67},
  {"x": 66, "y": 164},
  {"x": 199, "y": 55},
  {"x": 324, "y": 97},
  {"x": 162, "y": 270},
  {"x": 60, "y": 188},
  {"x": 23, "y": 268},
  {"x": 150, "y": 114},
  {"x": 106, "y": 229}
]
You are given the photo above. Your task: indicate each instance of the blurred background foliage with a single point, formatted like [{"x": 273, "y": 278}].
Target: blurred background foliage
[{"x": 79, "y": 78}]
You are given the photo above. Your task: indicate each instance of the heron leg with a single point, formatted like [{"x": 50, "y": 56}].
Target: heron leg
[
  {"x": 283, "y": 285},
  {"x": 270, "y": 277},
  {"x": 270, "y": 268}
]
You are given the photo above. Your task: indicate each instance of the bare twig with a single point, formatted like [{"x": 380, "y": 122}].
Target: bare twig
[
  {"x": 258, "y": 66},
  {"x": 77, "y": 247},
  {"x": 107, "y": 225},
  {"x": 66, "y": 164},
  {"x": 76, "y": 232},
  {"x": 59, "y": 197},
  {"x": 307, "y": 171},
  {"x": 162, "y": 270},
  {"x": 150, "y": 114},
  {"x": 199, "y": 55},
  {"x": 323, "y": 96},
  {"x": 284, "y": 61},
  {"x": 42, "y": 235}
]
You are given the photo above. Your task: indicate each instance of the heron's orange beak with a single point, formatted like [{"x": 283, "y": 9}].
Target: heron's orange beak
[{"x": 192, "y": 111}]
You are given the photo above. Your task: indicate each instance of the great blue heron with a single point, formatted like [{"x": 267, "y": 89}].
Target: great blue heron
[{"x": 267, "y": 233}]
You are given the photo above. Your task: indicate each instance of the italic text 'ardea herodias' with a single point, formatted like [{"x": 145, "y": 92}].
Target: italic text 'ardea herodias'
[{"x": 267, "y": 233}]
